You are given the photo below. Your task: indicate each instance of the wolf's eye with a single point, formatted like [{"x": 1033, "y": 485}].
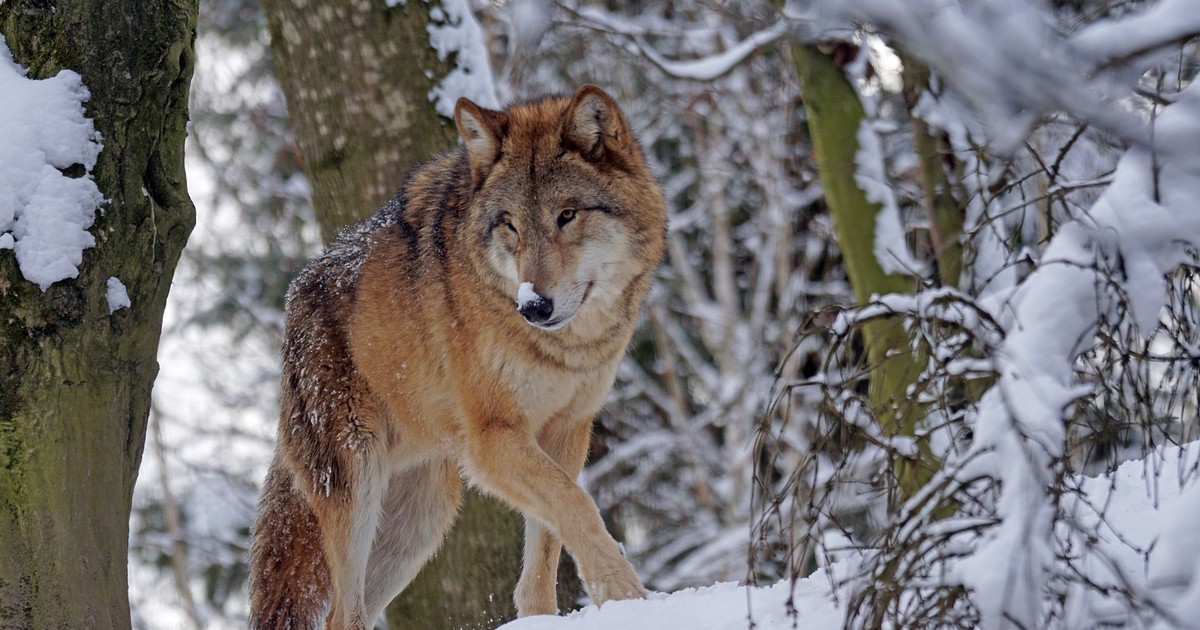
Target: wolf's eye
[
  {"x": 506, "y": 221},
  {"x": 566, "y": 216}
]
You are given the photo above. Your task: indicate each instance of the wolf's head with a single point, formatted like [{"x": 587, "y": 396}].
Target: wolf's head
[{"x": 566, "y": 213}]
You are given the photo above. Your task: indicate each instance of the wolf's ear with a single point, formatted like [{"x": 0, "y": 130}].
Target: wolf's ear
[
  {"x": 594, "y": 125},
  {"x": 482, "y": 131}
]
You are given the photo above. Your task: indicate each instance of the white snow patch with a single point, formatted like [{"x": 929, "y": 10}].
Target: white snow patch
[
  {"x": 724, "y": 606},
  {"x": 45, "y": 215},
  {"x": 1136, "y": 32},
  {"x": 455, "y": 31},
  {"x": 526, "y": 294},
  {"x": 1174, "y": 570},
  {"x": 891, "y": 248},
  {"x": 118, "y": 297},
  {"x": 1144, "y": 518}
]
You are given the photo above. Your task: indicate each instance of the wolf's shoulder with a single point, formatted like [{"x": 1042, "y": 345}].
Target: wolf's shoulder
[
  {"x": 429, "y": 191},
  {"x": 329, "y": 279}
]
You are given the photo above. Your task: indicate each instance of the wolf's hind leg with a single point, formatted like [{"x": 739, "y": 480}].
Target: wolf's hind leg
[
  {"x": 348, "y": 525},
  {"x": 566, "y": 442},
  {"x": 419, "y": 507}
]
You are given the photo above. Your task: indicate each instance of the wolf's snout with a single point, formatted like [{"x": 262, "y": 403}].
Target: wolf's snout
[{"x": 538, "y": 310}]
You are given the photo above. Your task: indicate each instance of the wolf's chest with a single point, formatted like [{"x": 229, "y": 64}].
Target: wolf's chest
[{"x": 545, "y": 392}]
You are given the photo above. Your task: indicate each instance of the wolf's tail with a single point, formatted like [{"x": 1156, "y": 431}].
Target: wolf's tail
[{"x": 289, "y": 579}]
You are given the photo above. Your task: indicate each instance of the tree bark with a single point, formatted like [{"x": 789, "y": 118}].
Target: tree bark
[
  {"x": 75, "y": 380},
  {"x": 470, "y": 583},
  {"x": 357, "y": 75}
]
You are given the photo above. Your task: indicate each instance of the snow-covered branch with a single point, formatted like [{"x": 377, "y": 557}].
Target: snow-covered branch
[{"x": 706, "y": 68}]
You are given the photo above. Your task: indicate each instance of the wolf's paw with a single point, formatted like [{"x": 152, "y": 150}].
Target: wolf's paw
[
  {"x": 535, "y": 600},
  {"x": 619, "y": 585}
]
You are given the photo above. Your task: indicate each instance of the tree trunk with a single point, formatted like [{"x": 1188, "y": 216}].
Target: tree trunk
[
  {"x": 941, "y": 194},
  {"x": 470, "y": 583},
  {"x": 834, "y": 115},
  {"x": 357, "y": 77},
  {"x": 75, "y": 380}
]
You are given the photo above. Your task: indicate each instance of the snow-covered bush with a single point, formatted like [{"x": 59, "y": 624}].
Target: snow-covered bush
[{"x": 1068, "y": 345}]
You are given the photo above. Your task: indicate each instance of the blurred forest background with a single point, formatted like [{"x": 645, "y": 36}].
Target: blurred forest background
[{"x": 815, "y": 159}]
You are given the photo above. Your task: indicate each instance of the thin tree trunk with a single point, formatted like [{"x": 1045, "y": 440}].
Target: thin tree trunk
[
  {"x": 357, "y": 76},
  {"x": 75, "y": 380},
  {"x": 174, "y": 522},
  {"x": 834, "y": 115},
  {"x": 941, "y": 203}
]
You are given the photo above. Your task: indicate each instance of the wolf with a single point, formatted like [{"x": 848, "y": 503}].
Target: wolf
[{"x": 471, "y": 329}]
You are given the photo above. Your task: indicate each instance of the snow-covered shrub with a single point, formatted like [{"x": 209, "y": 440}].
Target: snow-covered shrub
[{"x": 1068, "y": 346}]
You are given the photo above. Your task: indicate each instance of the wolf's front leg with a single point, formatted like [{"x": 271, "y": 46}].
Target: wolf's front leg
[
  {"x": 505, "y": 459},
  {"x": 566, "y": 442},
  {"x": 536, "y": 592}
]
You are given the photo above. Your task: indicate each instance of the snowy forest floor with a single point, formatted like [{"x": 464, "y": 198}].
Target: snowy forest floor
[
  {"x": 724, "y": 606},
  {"x": 1139, "y": 502}
]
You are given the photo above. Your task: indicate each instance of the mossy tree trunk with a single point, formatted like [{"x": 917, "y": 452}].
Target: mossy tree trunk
[
  {"x": 75, "y": 380},
  {"x": 834, "y": 115},
  {"x": 357, "y": 75}
]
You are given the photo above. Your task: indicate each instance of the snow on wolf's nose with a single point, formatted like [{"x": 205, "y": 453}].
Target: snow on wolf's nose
[{"x": 526, "y": 294}]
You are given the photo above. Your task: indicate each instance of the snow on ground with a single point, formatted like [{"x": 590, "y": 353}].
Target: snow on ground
[
  {"x": 725, "y": 606},
  {"x": 1148, "y": 504},
  {"x": 1148, "y": 542}
]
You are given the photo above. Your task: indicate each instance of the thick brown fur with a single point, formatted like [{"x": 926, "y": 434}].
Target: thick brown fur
[{"x": 407, "y": 366}]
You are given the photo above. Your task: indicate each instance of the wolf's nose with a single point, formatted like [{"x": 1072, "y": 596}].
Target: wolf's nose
[{"x": 538, "y": 310}]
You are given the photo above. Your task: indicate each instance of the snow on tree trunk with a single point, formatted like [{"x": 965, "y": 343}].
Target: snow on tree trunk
[{"x": 75, "y": 376}]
